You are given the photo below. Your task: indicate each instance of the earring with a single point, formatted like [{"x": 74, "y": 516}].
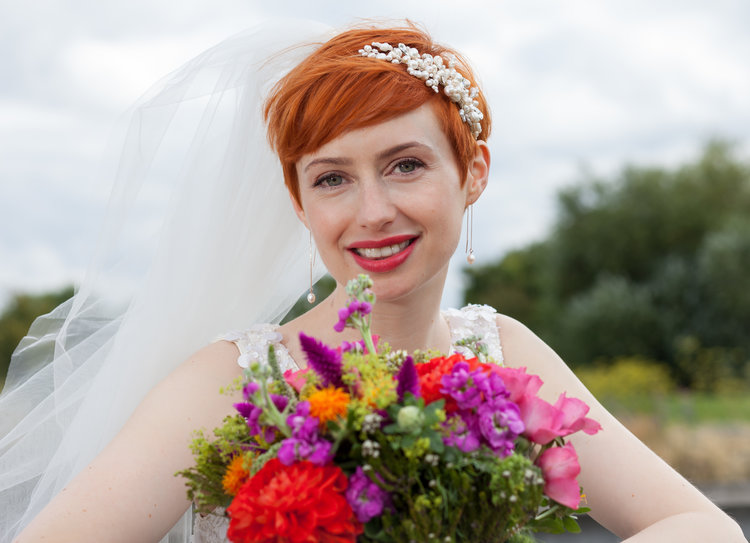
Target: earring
[
  {"x": 311, "y": 294},
  {"x": 470, "y": 258}
]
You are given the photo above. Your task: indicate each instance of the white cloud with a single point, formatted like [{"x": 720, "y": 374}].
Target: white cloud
[{"x": 570, "y": 83}]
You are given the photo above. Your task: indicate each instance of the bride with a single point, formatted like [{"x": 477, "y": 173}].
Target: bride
[{"x": 380, "y": 167}]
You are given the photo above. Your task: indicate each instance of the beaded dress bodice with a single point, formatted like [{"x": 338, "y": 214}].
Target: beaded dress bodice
[{"x": 472, "y": 320}]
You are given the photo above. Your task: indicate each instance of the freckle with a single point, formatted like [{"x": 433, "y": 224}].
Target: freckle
[
  {"x": 84, "y": 511},
  {"x": 109, "y": 488},
  {"x": 149, "y": 515}
]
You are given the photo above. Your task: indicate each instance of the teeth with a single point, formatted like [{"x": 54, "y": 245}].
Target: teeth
[{"x": 382, "y": 252}]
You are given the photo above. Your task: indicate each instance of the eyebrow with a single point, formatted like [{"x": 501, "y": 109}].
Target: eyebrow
[{"x": 336, "y": 161}]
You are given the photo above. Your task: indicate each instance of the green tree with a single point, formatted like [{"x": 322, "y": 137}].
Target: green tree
[
  {"x": 640, "y": 265},
  {"x": 18, "y": 315}
]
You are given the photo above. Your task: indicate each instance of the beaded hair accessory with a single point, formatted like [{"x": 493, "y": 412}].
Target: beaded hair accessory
[{"x": 434, "y": 73}]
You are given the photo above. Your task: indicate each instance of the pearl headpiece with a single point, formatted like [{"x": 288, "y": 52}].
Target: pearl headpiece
[{"x": 433, "y": 71}]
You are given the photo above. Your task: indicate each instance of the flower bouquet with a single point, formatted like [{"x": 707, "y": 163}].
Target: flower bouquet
[{"x": 373, "y": 444}]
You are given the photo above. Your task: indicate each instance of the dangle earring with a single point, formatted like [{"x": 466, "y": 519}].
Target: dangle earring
[
  {"x": 311, "y": 294},
  {"x": 470, "y": 258}
]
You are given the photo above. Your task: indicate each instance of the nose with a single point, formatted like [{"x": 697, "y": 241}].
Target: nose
[{"x": 376, "y": 206}]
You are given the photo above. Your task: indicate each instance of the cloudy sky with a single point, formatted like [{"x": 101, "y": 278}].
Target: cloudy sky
[{"x": 573, "y": 85}]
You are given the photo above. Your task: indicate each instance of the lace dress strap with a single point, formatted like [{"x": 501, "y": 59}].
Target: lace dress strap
[
  {"x": 253, "y": 344},
  {"x": 475, "y": 320}
]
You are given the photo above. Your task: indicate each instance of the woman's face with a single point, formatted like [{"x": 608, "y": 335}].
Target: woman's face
[{"x": 387, "y": 200}]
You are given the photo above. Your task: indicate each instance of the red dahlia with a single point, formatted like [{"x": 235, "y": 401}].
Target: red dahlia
[{"x": 301, "y": 503}]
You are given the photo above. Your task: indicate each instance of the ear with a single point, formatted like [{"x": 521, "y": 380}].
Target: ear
[
  {"x": 298, "y": 210},
  {"x": 478, "y": 173}
]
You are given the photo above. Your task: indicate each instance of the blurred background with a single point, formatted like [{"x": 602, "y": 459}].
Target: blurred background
[{"x": 616, "y": 224}]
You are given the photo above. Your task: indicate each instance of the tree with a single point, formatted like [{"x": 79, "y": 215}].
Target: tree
[
  {"x": 18, "y": 316},
  {"x": 639, "y": 265}
]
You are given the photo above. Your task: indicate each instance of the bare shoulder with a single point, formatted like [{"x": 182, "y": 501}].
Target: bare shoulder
[
  {"x": 628, "y": 487},
  {"x": 130, "y": 490}
]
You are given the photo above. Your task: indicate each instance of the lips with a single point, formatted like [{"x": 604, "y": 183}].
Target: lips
[{"x": 378, "y": 256}]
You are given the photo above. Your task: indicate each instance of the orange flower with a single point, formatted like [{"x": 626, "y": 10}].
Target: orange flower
[
  {"x": 328, "y": 404},
  {"x": 235, "y": 476}
]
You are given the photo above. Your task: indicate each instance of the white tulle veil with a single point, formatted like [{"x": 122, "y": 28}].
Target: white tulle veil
[{"x": 199, "y": 238}]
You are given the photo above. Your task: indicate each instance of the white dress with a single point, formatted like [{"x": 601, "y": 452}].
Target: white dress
[{"x": 472, "y": 320}]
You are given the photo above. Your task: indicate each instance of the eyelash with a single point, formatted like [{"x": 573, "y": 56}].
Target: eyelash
[{"x": 320, "y": 182}]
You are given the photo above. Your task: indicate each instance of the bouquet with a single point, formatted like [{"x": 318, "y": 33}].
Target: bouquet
[{"x": 373, "y": 444}]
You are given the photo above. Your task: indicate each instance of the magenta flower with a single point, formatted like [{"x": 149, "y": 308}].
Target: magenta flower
[
  {"x": 326, "y": 362},
  {"x": 462, "y": 432},
  {"x": 460, "y": 384},
  {"x": 358, "y": 346},
  {"x": 365, "y": 497},
  {"x": 305, "y": 443},
  {"x": 500, "y": 424},
  {"x": 560, "y": 468},
  {"x": 407, "y": 379},
  {"x": 252, "y": 412},
  {"x": 353, "y": 307}
]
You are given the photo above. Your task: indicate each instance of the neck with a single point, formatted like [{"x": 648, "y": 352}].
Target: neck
[{"x": 408, "y": 322}]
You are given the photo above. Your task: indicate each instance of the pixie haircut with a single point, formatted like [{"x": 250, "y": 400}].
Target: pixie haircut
[{"x": 335, "y": 90}]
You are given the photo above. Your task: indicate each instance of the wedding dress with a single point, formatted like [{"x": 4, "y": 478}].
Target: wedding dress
[{"x": 472, "y": 320}]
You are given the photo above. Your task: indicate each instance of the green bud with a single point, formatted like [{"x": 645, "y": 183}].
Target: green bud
[{"x": 410, "y": 418}]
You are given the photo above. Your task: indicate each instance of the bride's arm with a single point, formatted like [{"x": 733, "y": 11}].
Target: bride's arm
[
  {"x": 630, "y": 490},
  {"x": 129, "y": 492}
]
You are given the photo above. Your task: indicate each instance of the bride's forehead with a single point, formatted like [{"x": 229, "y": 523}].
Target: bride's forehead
[{"x": 421, "y": 125}]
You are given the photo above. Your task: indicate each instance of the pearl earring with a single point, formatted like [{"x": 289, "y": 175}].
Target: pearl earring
[
  {"x": 311, "y": 294},
  {"x": 470, "y": 258}
]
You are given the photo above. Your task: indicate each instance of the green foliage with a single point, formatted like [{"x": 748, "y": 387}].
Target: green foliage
[
  {"x": 204, "y": 479},
  {"x": 322, "y": 288},
  {"x": 18, "y": 315},
  {"x": 638, "y": 265},
  {"x": 635, "y": 384}
]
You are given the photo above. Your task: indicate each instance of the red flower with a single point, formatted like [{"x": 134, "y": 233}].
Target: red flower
[
  {"x": 301, "y": 503},
  {"x": 430, "y": 375},
  {"x": 560, "y": 468}
]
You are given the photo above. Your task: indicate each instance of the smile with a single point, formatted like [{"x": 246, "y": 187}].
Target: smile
[
  {"x": 376, "y": 253},
  {"x": 383, "y": 255}
]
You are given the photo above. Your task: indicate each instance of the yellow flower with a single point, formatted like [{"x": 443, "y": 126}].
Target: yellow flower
[
  {"x": 235, "y": 476},
  {"x": 328, "y": 404}
]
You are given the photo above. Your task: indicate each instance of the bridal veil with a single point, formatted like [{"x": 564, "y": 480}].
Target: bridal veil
[{"x": 199, "y": 238}]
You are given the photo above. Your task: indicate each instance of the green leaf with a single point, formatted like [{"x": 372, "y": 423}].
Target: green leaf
[{"x": 571, "y": 525}]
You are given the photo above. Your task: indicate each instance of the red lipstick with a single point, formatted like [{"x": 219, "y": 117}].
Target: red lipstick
[{"x": 388, "y": 263}]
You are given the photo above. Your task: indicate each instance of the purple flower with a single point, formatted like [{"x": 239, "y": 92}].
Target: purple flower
[
  {"x": 493, "y": 386},
  {"x": 354, "y": 306},
  {"x": 366, "y": 498},
  {"x": 463, "y": 385},
  {"x": 326, "y": 362},
  {"x": 305, "y": 443},
  {"x": 500, "y": 424},
  {"x": 358, "y": 346},
  {"x": 252, "y": 412},
  {"x": 462, "y": 432},
  {"x": 407, "y": 378}
]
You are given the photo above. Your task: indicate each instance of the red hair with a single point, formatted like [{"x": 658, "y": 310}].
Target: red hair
[{"x": 335, "y": 90}]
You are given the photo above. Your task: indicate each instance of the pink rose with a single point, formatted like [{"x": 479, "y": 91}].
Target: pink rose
[
  {"x": 573, "y": 416},
  {"x": 518, "y": 382},
  {"x": 560, "y": 468},
  {"x": 297, "y": 379},
  {"x": 541, "y": 419}
]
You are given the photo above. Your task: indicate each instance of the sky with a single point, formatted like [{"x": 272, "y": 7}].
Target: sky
[{"x": 575, "y": 86}]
